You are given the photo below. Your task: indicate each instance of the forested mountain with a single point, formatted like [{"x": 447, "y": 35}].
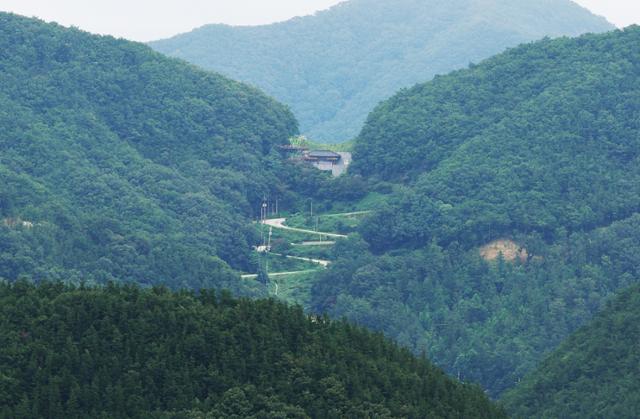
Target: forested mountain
[
  {"x": 117, "y": 163},
  {"x": 332, "y": 68},
  {"x": 594, "y": 374},
  {"x": 128, "y": 352},
  {"x": 535, "y": 153},
  {"x": 540, "y": 138}
]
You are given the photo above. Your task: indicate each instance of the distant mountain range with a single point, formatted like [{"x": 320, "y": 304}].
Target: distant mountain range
[{"x": 332, "y": 68}]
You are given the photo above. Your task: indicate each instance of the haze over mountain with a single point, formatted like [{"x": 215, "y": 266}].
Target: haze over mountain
[
  {"x": 594, "y": 373},
  {"x": 534, "y": 153},
  {"x": 332, "y": 68},
  {"x": 118, "y": 163},
  {"x": 506, "y": 204}
]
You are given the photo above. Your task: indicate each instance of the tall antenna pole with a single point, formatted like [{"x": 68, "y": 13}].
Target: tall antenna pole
[{"x": 263, "y": 217}]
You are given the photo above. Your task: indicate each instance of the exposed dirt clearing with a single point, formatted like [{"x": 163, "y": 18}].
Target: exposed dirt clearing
[
  {"x": 510, "y": 250},
  {"x": 17, "y": 222}
]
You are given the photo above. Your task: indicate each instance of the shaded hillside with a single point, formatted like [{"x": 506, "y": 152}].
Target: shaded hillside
[
  {"x": 537, "y": 148},
  {"x": 74, "y": 353},
  {"x": 119, "y": 163},
  {"x": 332, "y": 68},
  {"x": 594, "y": 374}
]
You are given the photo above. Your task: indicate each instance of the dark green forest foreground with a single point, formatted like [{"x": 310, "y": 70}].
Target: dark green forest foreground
[
  {"x": 127, "y": 352},
  {"x": 594, "y": 374},
  {"x": 117, "y": 163},
  {"x": 538, "y": 147},
  {"x": 332, "y": 68}
]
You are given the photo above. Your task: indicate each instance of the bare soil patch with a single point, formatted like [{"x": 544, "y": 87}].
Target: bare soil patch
[{"x": 510, "y": 250}]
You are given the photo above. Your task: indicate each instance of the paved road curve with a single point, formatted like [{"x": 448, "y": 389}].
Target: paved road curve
[
  {"x": 254, "y": 276},
  {"x": 320, "y": 262},
  {"x": 279, "y": 223}
]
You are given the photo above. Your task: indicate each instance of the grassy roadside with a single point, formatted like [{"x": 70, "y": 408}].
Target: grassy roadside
[
  {"x": 295, "y": 289},
  {"x": 312, "y": 145}
]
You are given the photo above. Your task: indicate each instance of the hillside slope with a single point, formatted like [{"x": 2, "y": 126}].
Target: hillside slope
[
  {"x": 75, "y": 353},
  {"x": 118, "y": 163},
  {"x": 594, "y": 374},
  {"x": 332, "y": 68},
  {"x": 537, "y": 148},
  {"x": 542, "y": 137}
]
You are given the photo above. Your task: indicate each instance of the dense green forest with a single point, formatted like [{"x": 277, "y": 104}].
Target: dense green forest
[
  {"x": 544, "y": 137},
  {"x": 128, "y": 352},
  {"x": 120, "y": 164},
  {"x": 332, "y": 68},
  {"x": 539, "y": 148},
  {"x": 594, "y": 374}
]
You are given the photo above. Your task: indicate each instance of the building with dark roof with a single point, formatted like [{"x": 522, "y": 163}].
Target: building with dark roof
[
  {"x": 322, "y": 156},
  {"x": 326, "y": 160}
]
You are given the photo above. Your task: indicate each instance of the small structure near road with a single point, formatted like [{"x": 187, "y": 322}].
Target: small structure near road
[
  {"x": 335, "y": 162},
  {"x": 321, "y": 156},
  {"x": 330, "y": 161}
]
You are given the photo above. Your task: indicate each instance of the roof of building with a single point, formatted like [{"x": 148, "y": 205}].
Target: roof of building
[{"x": 323, "y": 154}]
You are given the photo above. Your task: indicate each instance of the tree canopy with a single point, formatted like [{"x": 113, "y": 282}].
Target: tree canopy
[
  {"x": 594, "y": 373},
  {"x": 536, "y": 149},
  {"x": 128, "y": 352},
  {"x": 118, "y": 163}
]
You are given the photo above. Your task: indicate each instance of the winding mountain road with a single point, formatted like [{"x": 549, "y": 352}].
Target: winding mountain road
[
  {"x": 323, "y": 263},
  {"x": 347, "y": 214},
  {"x": 276, "y": 274},
  {"x": 314, "y": 243},
  {"x": 279, "y": 223}
]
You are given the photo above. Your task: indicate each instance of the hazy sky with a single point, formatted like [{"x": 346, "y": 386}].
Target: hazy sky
[{"x": 145, "y": 20}]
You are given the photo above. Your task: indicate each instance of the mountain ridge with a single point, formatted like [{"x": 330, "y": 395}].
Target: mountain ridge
[
  {"x": 132, "y": 166},
  {"x": 331, "y": 68},
  {"x": 99, "y": 352}
]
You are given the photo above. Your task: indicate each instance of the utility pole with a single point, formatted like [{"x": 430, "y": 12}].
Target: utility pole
[
  {"x": 263, "y": 217},
  {"x": 311, "y": 208}
]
